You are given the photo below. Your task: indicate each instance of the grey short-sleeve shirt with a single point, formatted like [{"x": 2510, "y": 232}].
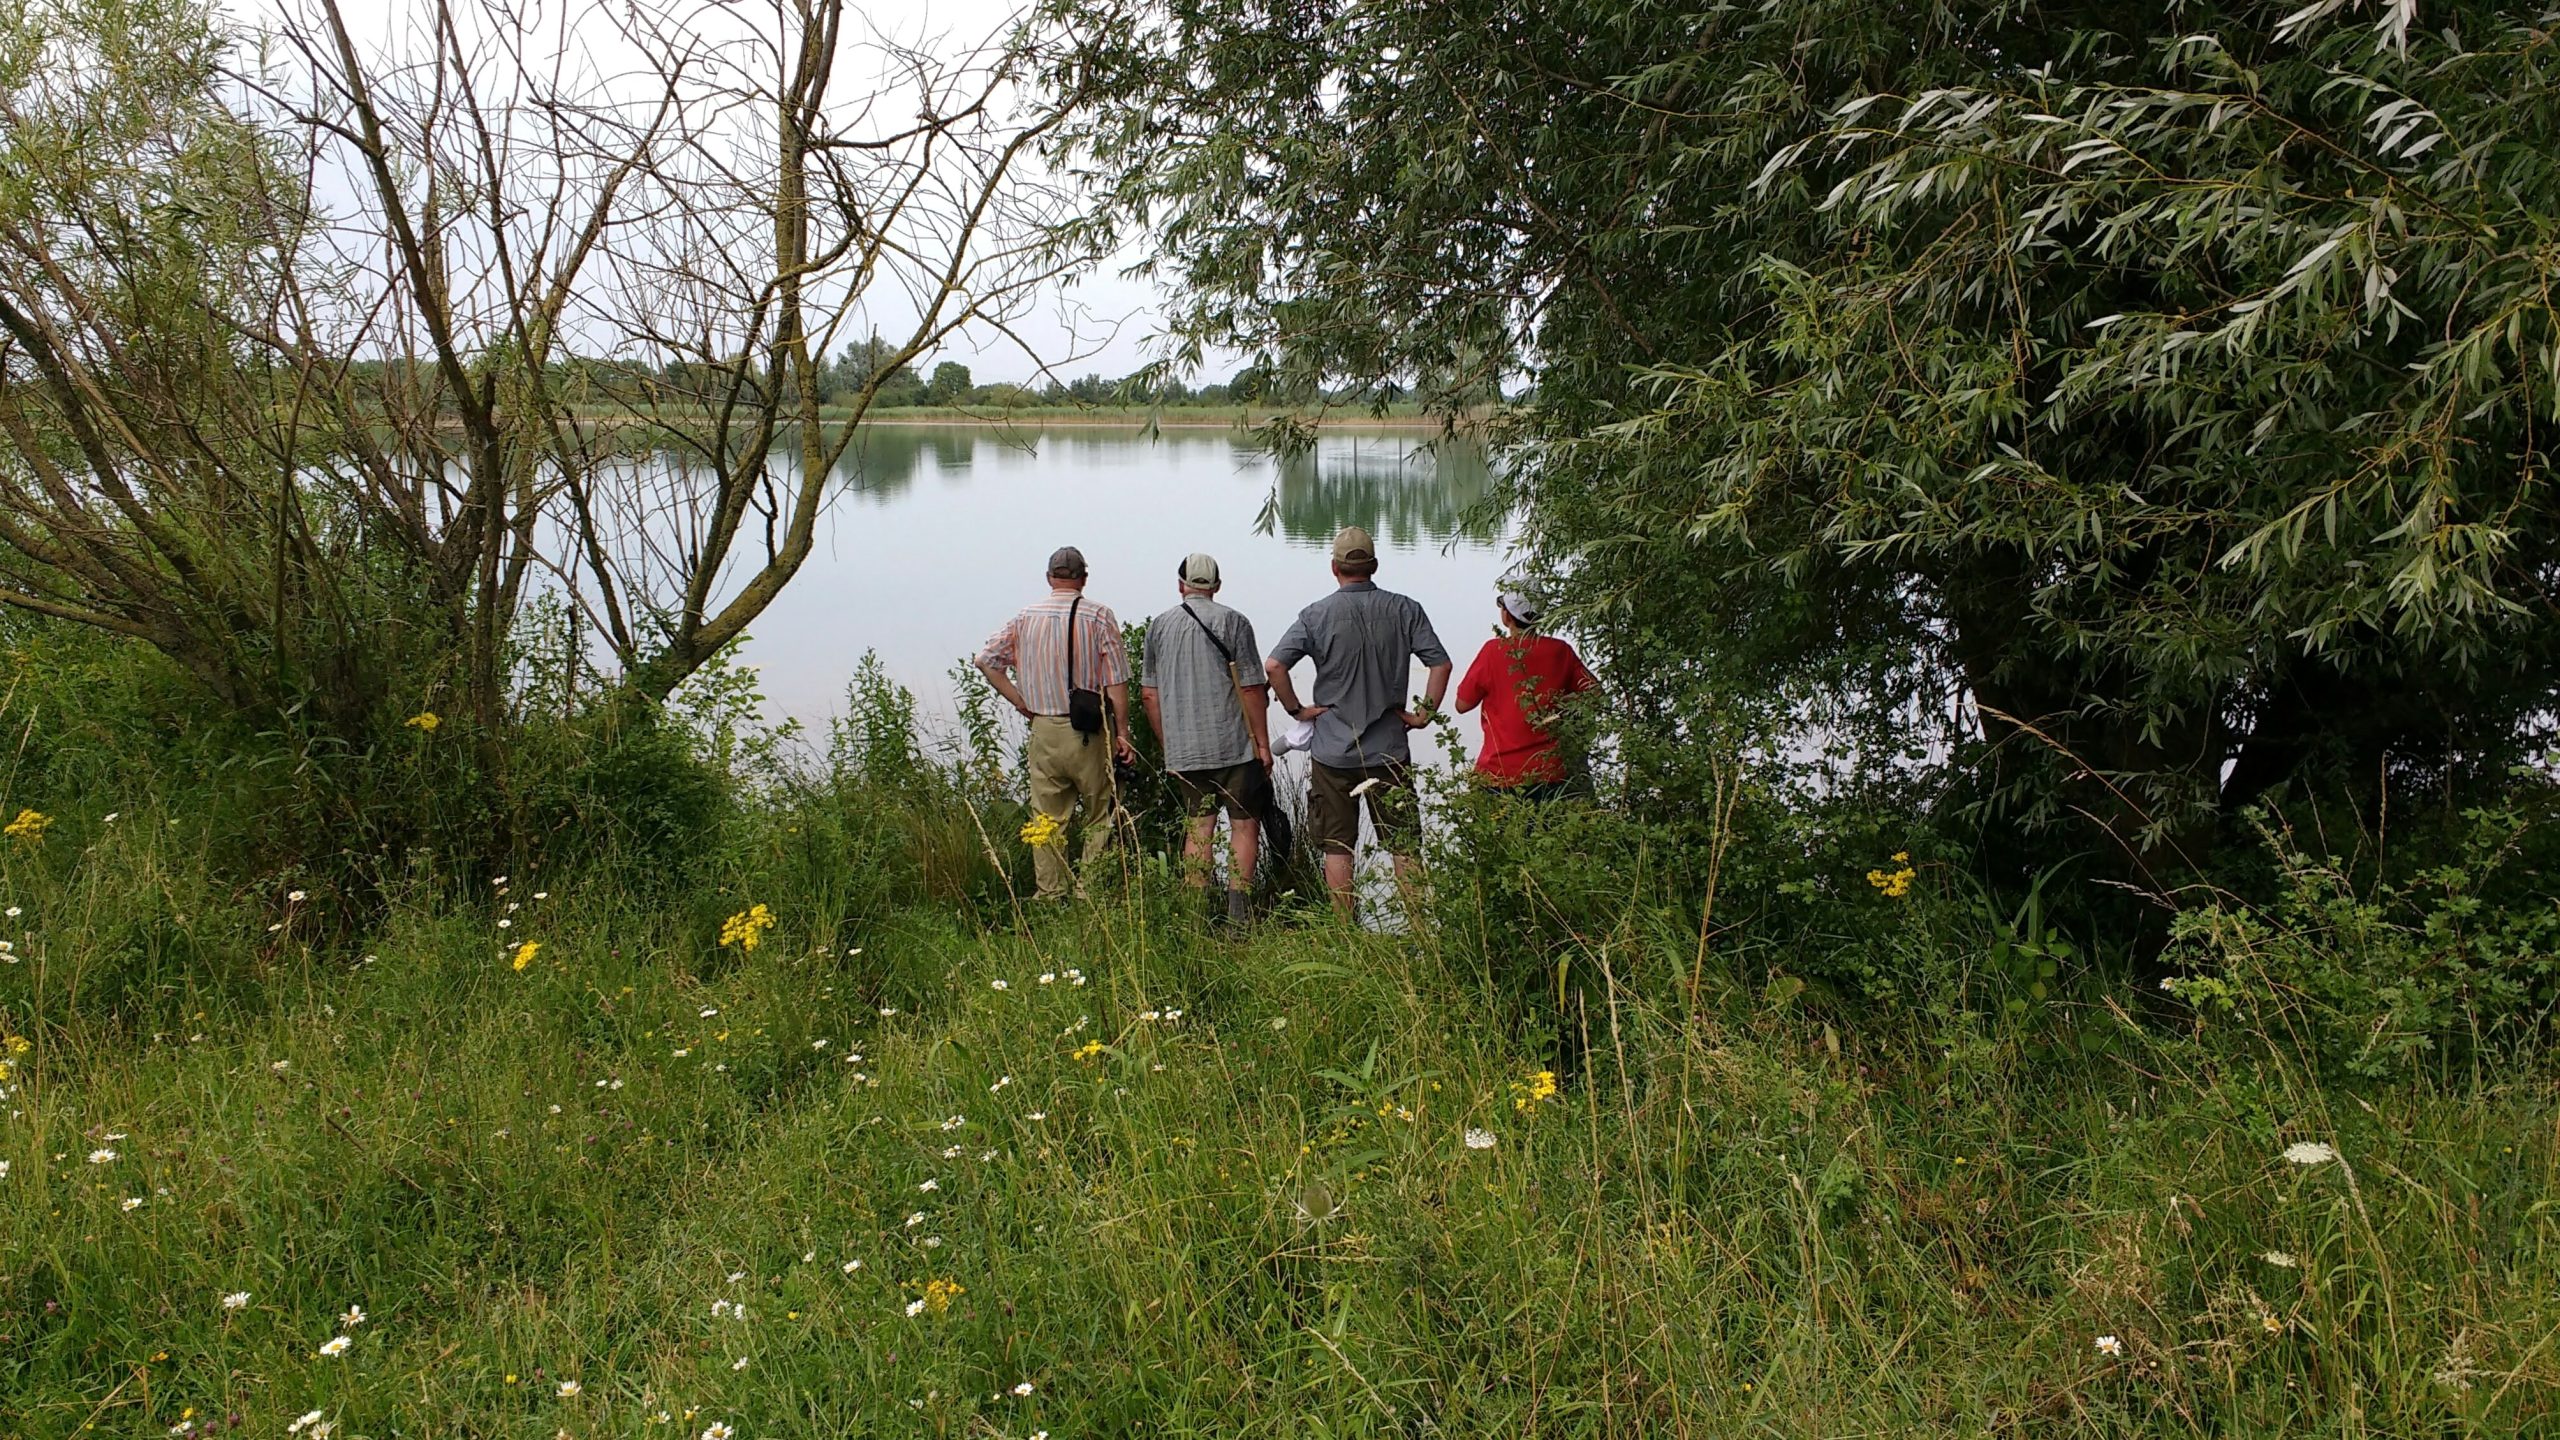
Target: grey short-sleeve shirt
[
  {"x": 1363, "y": 640},
  {"x": 1204, "y": 726}
]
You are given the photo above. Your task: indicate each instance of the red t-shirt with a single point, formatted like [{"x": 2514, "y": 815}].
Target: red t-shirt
[{"x": 1518, "y": 680}]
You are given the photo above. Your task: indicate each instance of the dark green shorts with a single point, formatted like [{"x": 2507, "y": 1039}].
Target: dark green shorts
[
  {"x": 1243, "y": 791},
  {"x": 1335, "y": 811}
]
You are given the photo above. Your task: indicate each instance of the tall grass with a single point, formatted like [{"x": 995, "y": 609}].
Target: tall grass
[{"x": 1133, "y": 1179}]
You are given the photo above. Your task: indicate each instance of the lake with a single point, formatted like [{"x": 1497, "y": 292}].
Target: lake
[{"x": 938, "y": 532}]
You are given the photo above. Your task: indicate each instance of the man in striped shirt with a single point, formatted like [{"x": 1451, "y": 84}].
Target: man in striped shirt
[{"x": 1028, "y": 664}]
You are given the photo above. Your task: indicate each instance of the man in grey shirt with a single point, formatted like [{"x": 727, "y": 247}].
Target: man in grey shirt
[
  {"x": 1211, "y": 717},
  {"x": 1363, "y": 640}
]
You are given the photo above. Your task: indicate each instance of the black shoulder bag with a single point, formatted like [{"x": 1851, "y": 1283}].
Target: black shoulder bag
[{"x": 1084, "y": 707}]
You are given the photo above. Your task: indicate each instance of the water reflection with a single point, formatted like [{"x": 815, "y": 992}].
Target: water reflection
[
  {"x": 936, "y": 532},
  {"x": 1399, "y": 491}
]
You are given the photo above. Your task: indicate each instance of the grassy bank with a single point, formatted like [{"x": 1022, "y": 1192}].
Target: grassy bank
[{"x": 913, "y": 1168}]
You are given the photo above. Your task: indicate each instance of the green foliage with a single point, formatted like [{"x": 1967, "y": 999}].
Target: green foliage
[
  {"x": 2455, "y": 969},
  {"x": 2106, "y": 417}
]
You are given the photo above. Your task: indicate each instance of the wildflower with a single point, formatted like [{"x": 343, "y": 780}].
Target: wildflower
[
  {"x": 337, "y": 1346},
  {"x": 4, "y": 1169},
  {"x": 710, "y": 1010},
  {"x": 720, "y": 1308},
  {"x": 1479, "y": 1139},
  {"x": 999, "y": 985},
  {"x": 683, "y": 1052},
  {"x": 915, "y": 1307},
  {"x": 850, "y": 1266},
  {"x": 1022, "y": 1389},
  {"x": 353, "y": 1317},
  {"x": 279, "y": 1066},
  {"x": 741, "y": 1363},
  {"x": 1526, "y": 1094},
  {"x": 1088, "y": 1049},
  {"x": 2110, "y": 1345},
  {"x": 915, "y": 1220},
  {"x": 525, "y": 953},
  {"x": 930, "y": 1185},
  {"x": 28, "y": 827},
  {"x": 2271, "y": 1323},
  {"x": 295, "y": 897},
  {"x": 1041, "y": 831},
  {"x": 132, "y": 1203},
  {"x": 2280, "y": 1259},
  {"x": 1048, "y": 977},
  {"x": 954, "y": 1123},
  {"x": 2309, "y": 1152},
  {"x": 716, "y": 1431},
  {"x": 817, "y": 1044},
  {"x": 424, "y": 720},
  {"x": 888, "y": 1010},
  {"x": 950, "y": 1152},
  {"x": 1001, "y": 1082},
  {"x": 570, "y": 1388},
  {"x": 746, "y": 929},
  {"x": 236, "y": 1300},
  {"x": 541, "y": 894},
  {"x": 307, "y": 1419},
  {"x": 938, "y": 1294},
  {"x": 1896, "y": 883},
  {"x": 101, "y": 1156},
  {"x": 505, "y": 924},
  {"x": 1037, "y": 1116}
]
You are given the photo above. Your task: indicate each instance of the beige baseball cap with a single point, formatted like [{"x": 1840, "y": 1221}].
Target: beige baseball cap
[
  {"x": 1352, "y": 546},
  {"x": 1200, "y": 570}
]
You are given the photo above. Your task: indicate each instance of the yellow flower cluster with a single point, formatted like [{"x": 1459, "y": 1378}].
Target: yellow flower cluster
[
  {"x": 746, "y": 928},
  {"x": 1088, "y": 1049},
  {"x": 1895, "y": 883},
  {"x": 525, "y": 953},
  {"x": 1042, "y": 830},
  {"x": 426, "y": 720},
  {"x": 938, "y": 1294},
  {"x": 29, "y": 826},
  {"x": 1526, "y": 1095}
]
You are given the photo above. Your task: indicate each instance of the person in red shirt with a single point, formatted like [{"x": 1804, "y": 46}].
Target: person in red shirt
[{"x": 1519, "y": 677}]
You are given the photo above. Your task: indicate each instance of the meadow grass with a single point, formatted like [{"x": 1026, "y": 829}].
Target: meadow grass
[{"x": 936, "y": 1170}]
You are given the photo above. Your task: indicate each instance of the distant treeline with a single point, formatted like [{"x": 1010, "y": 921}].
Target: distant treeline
[{"x": 689, "y": 384}]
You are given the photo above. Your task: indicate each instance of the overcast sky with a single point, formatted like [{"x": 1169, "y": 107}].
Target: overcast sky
[{"x": 1113, "y": 318}]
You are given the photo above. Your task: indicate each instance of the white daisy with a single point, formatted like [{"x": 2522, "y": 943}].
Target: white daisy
[
  {"x": 2110, "y": 1345},
  {"x": 337, "y": 1346}
]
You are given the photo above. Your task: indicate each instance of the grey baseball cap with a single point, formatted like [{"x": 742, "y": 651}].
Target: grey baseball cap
[
  {"x": 1067, "y": 563},
  {"x": 1200, "y": 570},
  {"x": 1352, "y": 546}
]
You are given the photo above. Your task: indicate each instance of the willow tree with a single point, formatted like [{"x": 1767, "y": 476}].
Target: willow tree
[
  {"x": 322, "y": 355},
  {"x": 2131, "y": 414}
]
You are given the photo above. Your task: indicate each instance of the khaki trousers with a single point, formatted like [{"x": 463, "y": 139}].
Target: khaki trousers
[{"x": 1066, "y": 767}]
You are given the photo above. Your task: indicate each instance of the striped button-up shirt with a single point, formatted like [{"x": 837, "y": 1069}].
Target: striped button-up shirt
[{"x": 1033, "y": 645}]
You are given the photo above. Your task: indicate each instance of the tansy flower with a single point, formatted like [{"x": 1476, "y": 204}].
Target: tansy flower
[
  {"x": 426, "y": 720},
  {"x": 938, "y": 1294},
  {"x": 746, "y": 929},
  {"x": 1088, "y": 1050},
  {"x": 1041, "y": 831},
  {"x": 525, "y": 953},
  {"x": 28, "y": 827},
  {"x": 1526, "y": 1094}
]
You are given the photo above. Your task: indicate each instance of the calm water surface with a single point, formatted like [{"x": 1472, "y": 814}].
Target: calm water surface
[{"x": 937, "y": 533}]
